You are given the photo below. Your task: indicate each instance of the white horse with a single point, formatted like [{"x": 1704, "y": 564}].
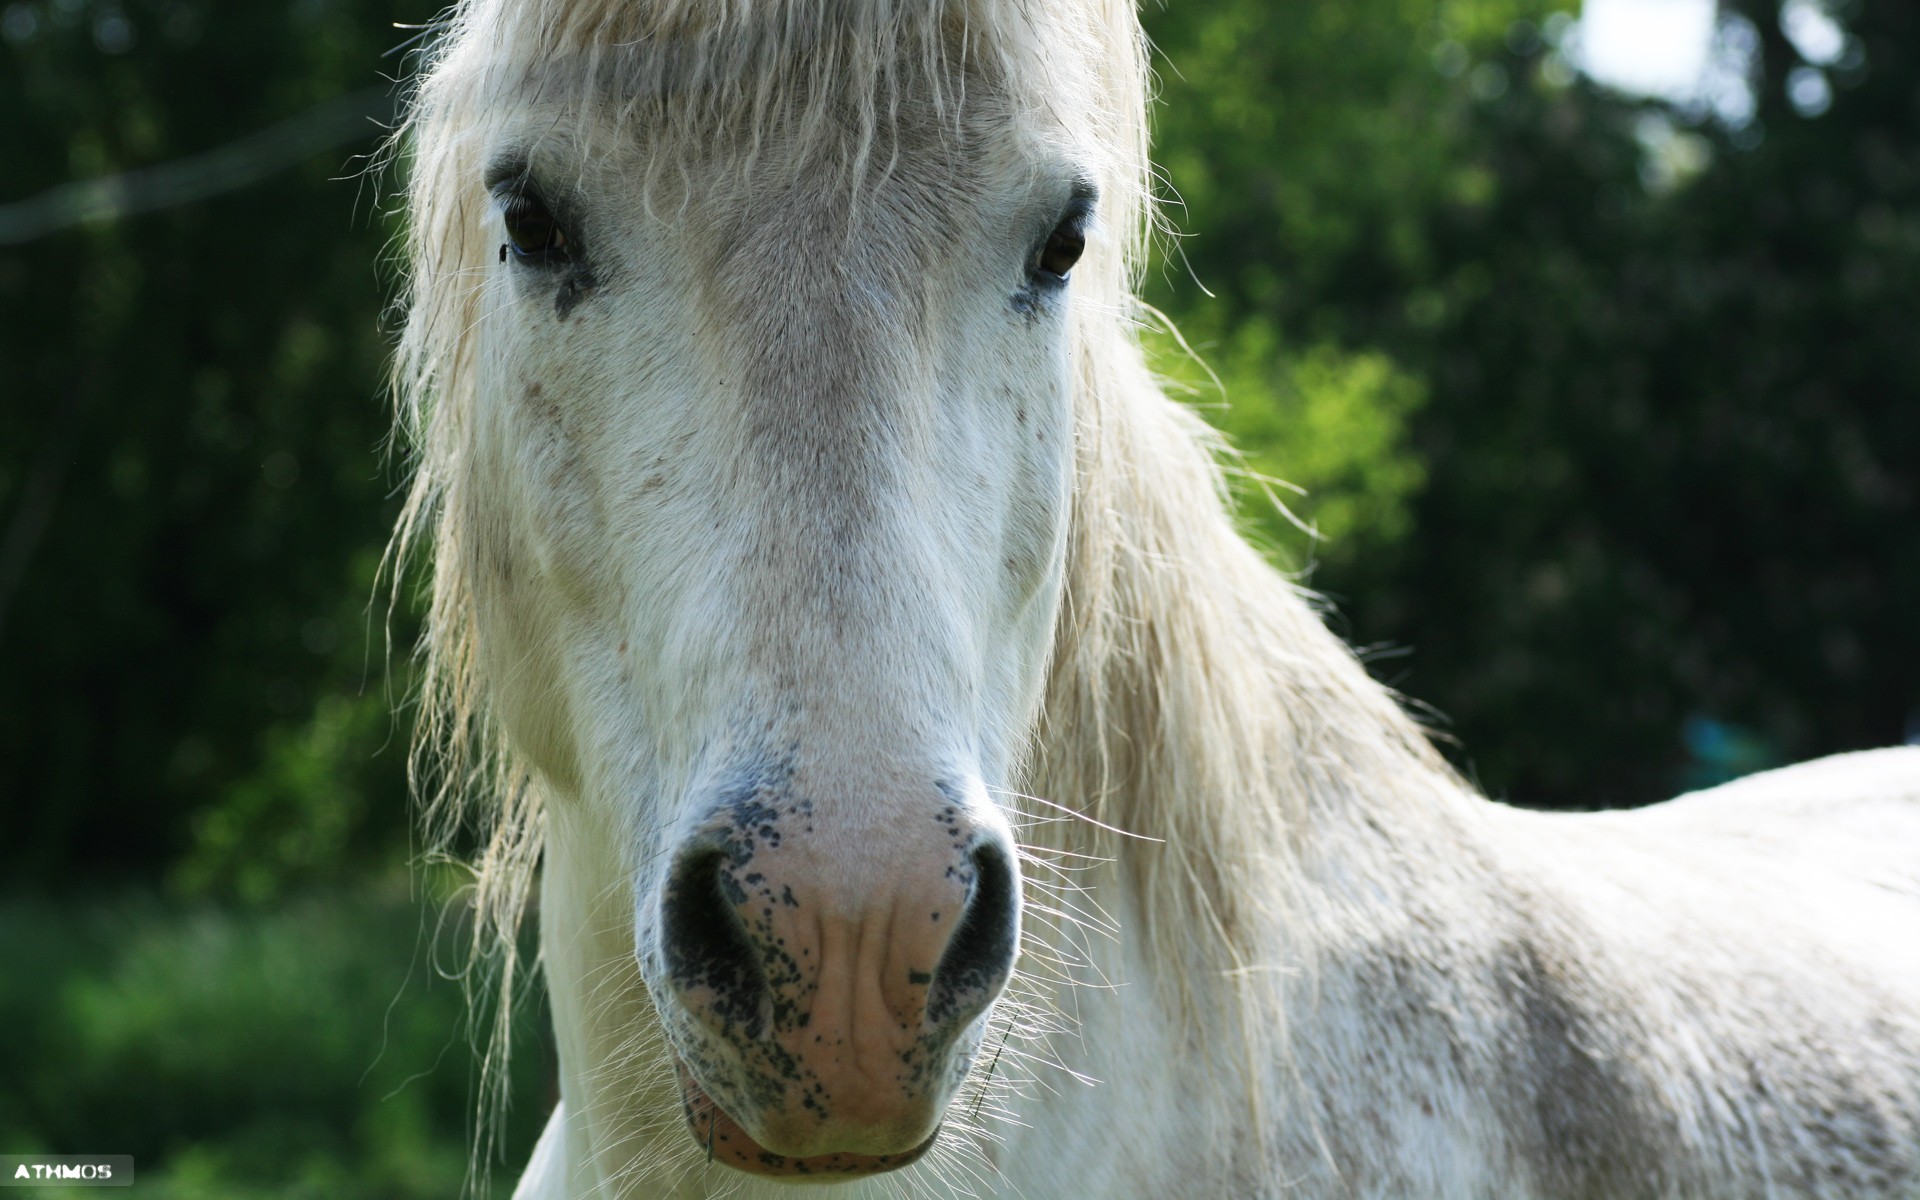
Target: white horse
[{"x": 934, "y": 795}]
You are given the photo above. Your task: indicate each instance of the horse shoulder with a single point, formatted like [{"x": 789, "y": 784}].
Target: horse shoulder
[{"x": 1737, "y": 973}]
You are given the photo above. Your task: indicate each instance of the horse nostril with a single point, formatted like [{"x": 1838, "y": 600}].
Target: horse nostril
[
  {"x": 706, "y": 948},
  {"x": 979, "y": 959}
]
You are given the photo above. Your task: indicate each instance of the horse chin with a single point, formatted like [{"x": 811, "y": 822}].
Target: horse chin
[{"x": 725, "y": 1141}]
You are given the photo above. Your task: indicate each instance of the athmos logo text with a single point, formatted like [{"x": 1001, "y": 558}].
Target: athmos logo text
[{"x": 66, "y": 1170}]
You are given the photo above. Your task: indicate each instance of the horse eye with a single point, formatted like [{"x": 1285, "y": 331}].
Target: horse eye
[
  {"x": 532, "y": 233},
  {"x": 1063, "y": 249}
]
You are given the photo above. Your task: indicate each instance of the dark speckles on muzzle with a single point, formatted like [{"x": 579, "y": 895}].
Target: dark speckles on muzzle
[
  {"x": 708, "y": 951},
  {"x": 979, "y": 959},
  {"x": 825, "y": 977}
]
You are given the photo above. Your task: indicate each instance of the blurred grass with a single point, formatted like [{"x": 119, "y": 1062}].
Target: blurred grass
[{"x": 307, "y": 1051}]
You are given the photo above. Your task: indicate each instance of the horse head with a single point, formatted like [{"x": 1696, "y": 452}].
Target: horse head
[{"x": 760, "y": 444}]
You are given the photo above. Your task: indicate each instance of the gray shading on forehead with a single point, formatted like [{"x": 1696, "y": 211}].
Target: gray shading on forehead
[
  {"x": 835, "y": 278},
  {"x": 828, "y": 308}
]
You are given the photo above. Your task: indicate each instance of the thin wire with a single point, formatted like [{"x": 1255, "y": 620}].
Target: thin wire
[{"x": 227, "y": 168}]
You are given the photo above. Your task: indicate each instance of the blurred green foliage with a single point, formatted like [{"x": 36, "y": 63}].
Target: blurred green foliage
[
  {"x": 1600, "y": 411},
  {"x": 1662, "y": 467},
  {"x": 1320, "y": 432},
  {"x": 307, "y": 1051},
  {"x": 193, "y": 488}
]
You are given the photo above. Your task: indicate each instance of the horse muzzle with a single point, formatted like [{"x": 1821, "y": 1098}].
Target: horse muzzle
[{"x": 825, "y": 982}]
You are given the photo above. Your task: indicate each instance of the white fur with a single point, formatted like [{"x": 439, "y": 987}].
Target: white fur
[{"x": 795, "y": 464}]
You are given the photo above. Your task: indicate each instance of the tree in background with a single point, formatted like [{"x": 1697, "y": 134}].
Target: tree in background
[
  {"x": 193, "y": 501},
  {"x": 1662, "y": 375}
]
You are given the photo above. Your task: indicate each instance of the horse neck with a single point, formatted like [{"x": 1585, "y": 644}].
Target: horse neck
[
  {"x": 1199, "y": 703},
  {"x": 622, "y": 1105}
]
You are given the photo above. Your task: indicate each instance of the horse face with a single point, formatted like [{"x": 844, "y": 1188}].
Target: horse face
[{"x": 766, "y": 569}]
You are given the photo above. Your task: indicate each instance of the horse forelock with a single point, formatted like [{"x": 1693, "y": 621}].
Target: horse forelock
[{"x": 805, "y": 80}]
